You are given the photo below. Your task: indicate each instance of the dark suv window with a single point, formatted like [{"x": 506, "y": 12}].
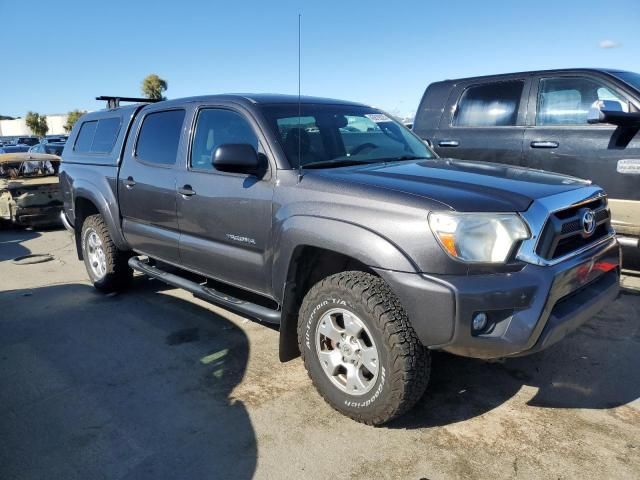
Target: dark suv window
[
  {"x": 159, "y": 137},
  {"x": 216, "y": 127},
  {"x": 567, "y": 100},
  {"x": 491, "y": 105}
]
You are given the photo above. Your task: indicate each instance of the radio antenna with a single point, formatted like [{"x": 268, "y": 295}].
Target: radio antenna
[{"x": 299, "y": 105}]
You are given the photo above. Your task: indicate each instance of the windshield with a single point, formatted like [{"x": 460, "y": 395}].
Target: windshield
[
  {"x": 337, "y": 135},
  {"x": 631, "y": 78},
  {"x": 53, "y": 149}
]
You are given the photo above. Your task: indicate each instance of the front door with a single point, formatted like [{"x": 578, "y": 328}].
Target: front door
[
  {"x": 225, "y": 218},
  {"x": 147, "y": 186},
  {"x": 561, "y": 140}
]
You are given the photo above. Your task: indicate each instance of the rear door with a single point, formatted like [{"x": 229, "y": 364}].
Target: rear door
[
  {"x": 147, "y": 184},
  {"x": 225, "y": 218},
  {"x": 559, "y": 139},
  {"x": 484, "y": 121}
]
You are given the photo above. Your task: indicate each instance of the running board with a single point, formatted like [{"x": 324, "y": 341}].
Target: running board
[{"x": 209, "y": 294}]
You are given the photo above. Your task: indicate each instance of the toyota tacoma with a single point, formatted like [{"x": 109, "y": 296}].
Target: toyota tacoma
[{"x": 335, "y": 222}]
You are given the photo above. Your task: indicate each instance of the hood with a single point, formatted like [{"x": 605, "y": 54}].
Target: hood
[{"x": 460, "y": 184}]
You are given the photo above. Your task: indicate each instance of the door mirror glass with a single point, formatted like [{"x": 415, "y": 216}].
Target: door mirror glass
[{"x": 235, "y": 157}]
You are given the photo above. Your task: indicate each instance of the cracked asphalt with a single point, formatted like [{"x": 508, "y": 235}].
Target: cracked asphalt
[{"x": 154, "y": 383}]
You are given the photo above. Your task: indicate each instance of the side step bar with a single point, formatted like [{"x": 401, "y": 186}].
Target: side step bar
[{"x": 206, "y": 293}]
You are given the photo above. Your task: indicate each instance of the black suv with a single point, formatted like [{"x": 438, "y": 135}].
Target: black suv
[{"x": 580, "y": 122}]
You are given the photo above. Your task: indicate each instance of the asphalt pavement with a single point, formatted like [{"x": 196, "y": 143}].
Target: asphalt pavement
[{"x": 154, "y": 383}]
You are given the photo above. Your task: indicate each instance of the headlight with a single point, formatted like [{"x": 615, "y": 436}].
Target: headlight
[{"x": 478, "y": 237}]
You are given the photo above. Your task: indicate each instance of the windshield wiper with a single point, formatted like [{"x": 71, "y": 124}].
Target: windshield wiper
[
  {"x": 344, "y": 162},
  {"x": 407, "y": 157}
]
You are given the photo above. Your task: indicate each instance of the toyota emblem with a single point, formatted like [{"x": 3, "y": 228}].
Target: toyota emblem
[{"x": 588, "y": 222}]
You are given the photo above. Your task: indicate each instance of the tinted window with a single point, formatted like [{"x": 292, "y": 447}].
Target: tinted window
[
  {"x": 53, "y": 149},
  {"x": 85, "y": 136},
  {"x": 105, "y": 135},
  {"x": 216, "y": 127},
  {"x": 566, "y": 101},
  {"x": 491, "y": 105},
  {"x": 159, "y": 137}
]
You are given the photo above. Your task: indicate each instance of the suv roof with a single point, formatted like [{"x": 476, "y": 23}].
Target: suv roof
[{"x": 537, "y": 72}]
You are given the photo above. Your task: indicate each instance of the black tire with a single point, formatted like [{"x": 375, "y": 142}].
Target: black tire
[
  {"x": 118, "y": 274},
  {"x": 403, "y": 363}
]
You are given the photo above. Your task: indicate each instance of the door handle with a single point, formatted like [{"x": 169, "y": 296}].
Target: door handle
[
  {"x": 448, "y": 143},
  {"x": 545, "y": 144},
  {"x": 186, "y": 191},
  {"x": 129, "y": 182}
]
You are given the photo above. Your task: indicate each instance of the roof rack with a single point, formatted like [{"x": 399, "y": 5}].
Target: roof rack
[{"x": 114, "y": 102}]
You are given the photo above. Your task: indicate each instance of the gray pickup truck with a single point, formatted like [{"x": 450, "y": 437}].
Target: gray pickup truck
[{"x": 335, "y": 222}]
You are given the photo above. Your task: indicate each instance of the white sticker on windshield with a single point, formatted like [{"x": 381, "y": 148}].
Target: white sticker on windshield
[{"x": 377, "y": 117}]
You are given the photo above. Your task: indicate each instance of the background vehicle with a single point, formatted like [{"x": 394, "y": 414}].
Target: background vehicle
[
  {"x": 50, "y": 148},
  {"x": 55, "y": 139},
  {"x": 29, "y": 189},
  {"x": 14, "y": 148},
  {"x": 541, "y": 120},
  {"x": 31, "y": 141},
  {"x": 359, "y": 242}
]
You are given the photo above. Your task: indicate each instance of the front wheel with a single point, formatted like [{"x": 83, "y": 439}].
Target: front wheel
[
  {"x": 359, "y": 349},
  {"x": 106, "y": 264}
]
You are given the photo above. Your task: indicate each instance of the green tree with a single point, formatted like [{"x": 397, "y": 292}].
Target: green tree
[
  {"x": 37, "y": 123},
  {"x": 153, "y": 86},
  {"x": 72, "y": 118}
]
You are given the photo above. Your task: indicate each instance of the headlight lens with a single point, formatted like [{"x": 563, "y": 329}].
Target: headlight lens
[{"x": 478, "y": 237}]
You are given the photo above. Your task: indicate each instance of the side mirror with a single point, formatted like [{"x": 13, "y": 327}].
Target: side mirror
[
  {"x": 235, "y": 157},
  {"x": 610, "y": 111}
]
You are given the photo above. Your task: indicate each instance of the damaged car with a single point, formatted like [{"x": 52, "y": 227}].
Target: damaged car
[{"x": 29, "y": 191}]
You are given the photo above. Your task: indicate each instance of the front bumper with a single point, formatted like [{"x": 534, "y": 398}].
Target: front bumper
[{"x": 528, "y": 310}]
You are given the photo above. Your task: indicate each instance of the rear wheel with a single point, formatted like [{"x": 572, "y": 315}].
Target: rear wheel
[
  {"x": 360, "y": 350},
  {"x": 106, "y": 264}
]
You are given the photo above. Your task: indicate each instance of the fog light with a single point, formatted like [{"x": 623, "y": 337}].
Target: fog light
[{"x": 479, "y": 321}]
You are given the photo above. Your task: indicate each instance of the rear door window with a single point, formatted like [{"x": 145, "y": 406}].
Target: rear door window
[
  {"x": 159, "y": 137},
  {"x": 567, "y": 100},
  {"x": 489, "y": 105}
]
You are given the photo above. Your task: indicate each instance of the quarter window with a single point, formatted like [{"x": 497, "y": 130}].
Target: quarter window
[
  {"x": 491, "y": 105},
  {"x": 566, "y": 101},
  {"x": 98, "y": 136},
  {"x": 217, "y": 127},
  {"x": 85, "y": 136},
  {"x": 159, "y": 137},
  {"x": 106, "y": 134}
]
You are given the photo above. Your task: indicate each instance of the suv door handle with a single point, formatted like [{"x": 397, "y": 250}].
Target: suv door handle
[
  {"x": 545, "y": 144},
  {"x": 448, "y": 143},
  {"x": 186, "y": 191},
  {"x": 129, "y": 182}
]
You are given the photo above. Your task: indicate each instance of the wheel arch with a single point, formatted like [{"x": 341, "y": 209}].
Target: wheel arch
[{"x": 310, "y": 249}]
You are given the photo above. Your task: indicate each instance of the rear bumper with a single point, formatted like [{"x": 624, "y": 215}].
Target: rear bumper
[{"x": 528, "y": 310}]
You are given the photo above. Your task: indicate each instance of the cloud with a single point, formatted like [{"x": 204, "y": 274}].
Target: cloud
[{"x": 608, "y": 44}]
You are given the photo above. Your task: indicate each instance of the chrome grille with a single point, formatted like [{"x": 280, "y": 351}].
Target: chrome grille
[{"x": 563, "y": 232}]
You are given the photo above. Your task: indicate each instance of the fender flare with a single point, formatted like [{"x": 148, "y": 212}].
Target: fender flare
[
  {"x": 353, "y": 240},
  {"x": 363, "y": 245},
  {"x": 106, "y": 207}
]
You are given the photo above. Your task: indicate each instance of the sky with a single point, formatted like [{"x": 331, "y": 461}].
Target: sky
[{"x": 58, "y": 56}]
